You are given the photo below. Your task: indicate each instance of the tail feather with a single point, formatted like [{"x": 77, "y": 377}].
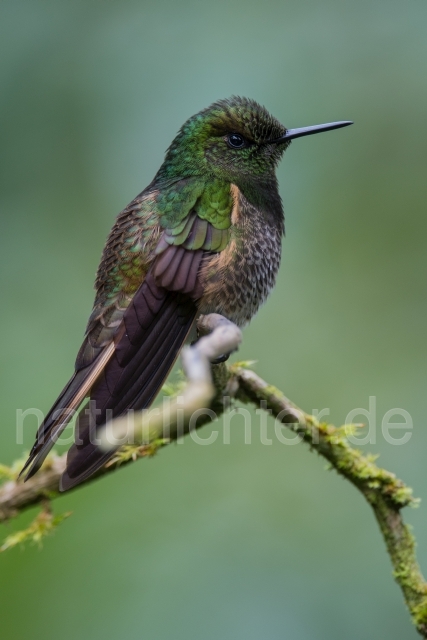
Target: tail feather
[{"x": 64, "y": 409}]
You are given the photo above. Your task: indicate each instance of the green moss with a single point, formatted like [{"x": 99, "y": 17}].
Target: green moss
[
  {"x": 43, "y": 525},
  {"x": 134, "y": 451}
]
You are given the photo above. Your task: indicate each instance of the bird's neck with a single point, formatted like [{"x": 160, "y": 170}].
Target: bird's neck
[{"x": 264, "y": 196}]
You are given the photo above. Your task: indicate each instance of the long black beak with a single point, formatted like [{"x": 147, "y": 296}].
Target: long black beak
[{"x": 307, "y": 131}]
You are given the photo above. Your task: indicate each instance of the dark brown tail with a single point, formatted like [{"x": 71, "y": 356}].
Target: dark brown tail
[{"x": 71, "y": 397}]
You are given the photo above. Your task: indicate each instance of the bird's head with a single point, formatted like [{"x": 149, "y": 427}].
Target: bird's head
[{"x": 237, "y": 140}]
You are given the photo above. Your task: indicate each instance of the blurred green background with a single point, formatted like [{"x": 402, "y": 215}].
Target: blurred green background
[{"x": 224, "y": 541}]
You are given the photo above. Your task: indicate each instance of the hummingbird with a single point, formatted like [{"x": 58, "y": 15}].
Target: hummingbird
[{"x": 204, "y": 237}]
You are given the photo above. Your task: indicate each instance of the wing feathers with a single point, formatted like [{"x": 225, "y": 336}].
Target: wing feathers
[
  {"x": 156, "y": 324},
  {"x": 142, "y": 344},
  {"x": 135, "y": 388}
]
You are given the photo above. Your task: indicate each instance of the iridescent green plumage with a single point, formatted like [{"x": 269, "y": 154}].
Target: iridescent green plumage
[{"x": 204, "y": 236}]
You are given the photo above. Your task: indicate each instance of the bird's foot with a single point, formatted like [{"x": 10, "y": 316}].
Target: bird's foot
[{"x": 222, "y": 358}]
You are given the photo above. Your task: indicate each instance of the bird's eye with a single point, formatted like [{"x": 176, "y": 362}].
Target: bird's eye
[{"x": 236, "y": 141}]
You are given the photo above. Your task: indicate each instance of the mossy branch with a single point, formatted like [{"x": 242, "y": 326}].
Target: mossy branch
[{"x": 386, "y": 494}]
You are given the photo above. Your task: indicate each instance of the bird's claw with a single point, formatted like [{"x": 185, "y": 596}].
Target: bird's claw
[{"x": 222, "y": 358}]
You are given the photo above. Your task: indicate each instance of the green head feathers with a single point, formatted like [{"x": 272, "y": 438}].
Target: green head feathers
[{"x": 230, "y": 140}]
